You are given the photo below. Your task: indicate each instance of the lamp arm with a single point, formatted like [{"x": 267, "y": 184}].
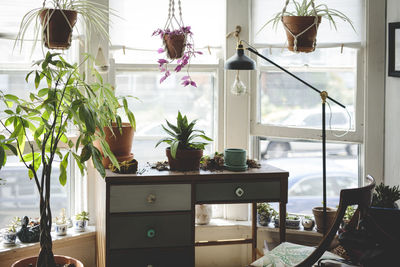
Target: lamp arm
[{"x": 291, "y": 74}]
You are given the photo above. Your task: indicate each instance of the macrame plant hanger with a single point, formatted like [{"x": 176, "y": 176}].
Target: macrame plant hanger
[
  {"x": 174, "y": 44},
  {"x": 295, "y": 36}
]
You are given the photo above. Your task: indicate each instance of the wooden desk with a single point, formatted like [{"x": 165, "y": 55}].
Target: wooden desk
[{"x": 149, "y": 219}]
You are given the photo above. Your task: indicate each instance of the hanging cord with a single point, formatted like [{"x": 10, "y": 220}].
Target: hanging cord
[
  {"x": 171, "y": 16},
  {"x": 235, "y": 33},
  {"x": 315, "y": 23},
  {"x": 180, "y": 12},
  {"x": 330, "y": 122}
]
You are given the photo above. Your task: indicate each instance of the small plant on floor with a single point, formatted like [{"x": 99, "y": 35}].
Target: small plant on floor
[
  {"x": 178, "y": 45},
  {"x": 386, "y": 196}
]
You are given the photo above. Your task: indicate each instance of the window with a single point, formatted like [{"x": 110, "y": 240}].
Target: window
[
  {"x": 18, "y": 194},
  {"x": 286, "y": 115}
]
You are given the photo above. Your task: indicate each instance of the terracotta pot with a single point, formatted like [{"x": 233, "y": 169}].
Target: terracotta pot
[
  {"x": 319, "y": 218},
  {"x": 186, "y": 160},
  {"x": 297, "y": 24},
  {"x": 175, "y": 45},
  {"x": 59, "y": 260},
  {"x": 57, "y": 31},
  {"x": 120, "y": 145}
]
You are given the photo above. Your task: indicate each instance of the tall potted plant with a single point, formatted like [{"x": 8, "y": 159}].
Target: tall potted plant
[
  {"x": 39, "y": 125},
  {"x": 184, "y": 152},
  {"x": 301, "y": 25},
  {"x": 386, "y": 196},
  {"x": 54, "y": 23}
]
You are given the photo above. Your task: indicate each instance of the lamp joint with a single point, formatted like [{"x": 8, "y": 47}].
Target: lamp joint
[{"x": 324, "y": 96}]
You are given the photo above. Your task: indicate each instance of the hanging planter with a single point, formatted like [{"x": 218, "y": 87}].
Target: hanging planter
[
  {"x": 54, "y": 22},
  {"x": 57, "y": 27},
  {"x": 301, "y": 25},
  {"x": 177, "y": 44}
]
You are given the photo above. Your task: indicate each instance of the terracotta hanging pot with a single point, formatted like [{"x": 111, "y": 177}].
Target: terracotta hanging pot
[
  {"x": 175, "y": 45},
  {"x": 57, "y": 27},
  {"x": 297, "y": 24},
  {"x": 61, "y": 260},
  {"x": 120, "y": 144},
  {"x": 185, "y": 160}
]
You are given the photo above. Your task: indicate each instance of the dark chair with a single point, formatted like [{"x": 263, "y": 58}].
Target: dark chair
[{"x": 348, "y": 197}]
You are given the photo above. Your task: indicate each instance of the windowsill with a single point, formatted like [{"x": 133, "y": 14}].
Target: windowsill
[{"x": 71, "y": 236}]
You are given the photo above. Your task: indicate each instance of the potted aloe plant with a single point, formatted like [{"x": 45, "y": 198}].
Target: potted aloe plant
[
  {"x": 301, "y": 25},
  {"x": 40, "y": 125},
  {"x": 184, "y": 152},
  {"x": 178, "y": 45},
  {"x": 54, "y": 23}
]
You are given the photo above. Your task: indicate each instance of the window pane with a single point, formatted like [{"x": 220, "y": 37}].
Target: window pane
[
  {"x": 303, "y": 161},
  {"x": 287, "y": 102},
  {"x": 263, "y": 11},
  {"x": 160, "y": 102},
  {"x": 19, "y": 195},
  {"x": 139, "y": 19}
]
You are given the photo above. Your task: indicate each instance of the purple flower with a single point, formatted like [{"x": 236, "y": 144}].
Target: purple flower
[
  {"x": 162, "y": 61},
  {"x": 198, "y": 52},
  {"x": 178, "y": 68},
  {"x": 160, "y": 50},
  {"x": 184, "y": 78},
  {"x": 186, "y": 83},
  {"x": 192, "y": 83}
]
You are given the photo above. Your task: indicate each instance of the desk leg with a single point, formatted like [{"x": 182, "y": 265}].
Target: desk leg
[
  {"x": 282, "y": 222},
  {"x": 254, "y": 232}
]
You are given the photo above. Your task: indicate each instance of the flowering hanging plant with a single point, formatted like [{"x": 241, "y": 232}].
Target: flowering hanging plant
[{"x": 178, "y": 44}]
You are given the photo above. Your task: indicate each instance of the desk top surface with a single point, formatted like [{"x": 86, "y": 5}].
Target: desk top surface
[{"x": 149, "y": 174}]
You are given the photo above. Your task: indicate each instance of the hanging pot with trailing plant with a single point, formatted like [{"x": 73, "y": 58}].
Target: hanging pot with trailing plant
[
  {"x": 301, "y": 25},
  {"x": 177, "y": 44}
]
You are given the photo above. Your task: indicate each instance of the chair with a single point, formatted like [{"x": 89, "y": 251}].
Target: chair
[{"x": 303, "y": 256}]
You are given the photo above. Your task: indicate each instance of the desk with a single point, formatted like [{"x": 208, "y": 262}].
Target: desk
[{"x": 149, "y": 218}]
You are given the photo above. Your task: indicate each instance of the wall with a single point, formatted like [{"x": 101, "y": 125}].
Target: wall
[{"x": 392, "y": 110}]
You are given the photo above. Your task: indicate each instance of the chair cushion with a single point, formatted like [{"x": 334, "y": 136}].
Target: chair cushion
[{"x": 288, "y": 255}]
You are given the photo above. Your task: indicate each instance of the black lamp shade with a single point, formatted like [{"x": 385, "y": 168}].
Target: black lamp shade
[{"x": 240, "y": 61}]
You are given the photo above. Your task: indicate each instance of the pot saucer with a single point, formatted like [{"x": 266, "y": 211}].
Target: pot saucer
[{"x": 236, "y": 168}]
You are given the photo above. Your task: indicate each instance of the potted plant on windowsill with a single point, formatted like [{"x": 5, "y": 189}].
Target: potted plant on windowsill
[
  {"x": 81, "y": 220},
  {"x": 292, "y": 222},
  {"x": 10, "y": 235},
  {"x": 386, "y": 196},
  {"x": 265, "y": 213},
  {"x": 58, "y": 20},
  {"x": 301, "y": 25},
  {"x": 39, "y": 125},
  {"x": 61, "y": 224},
  {"x": 185, "y": 152}
]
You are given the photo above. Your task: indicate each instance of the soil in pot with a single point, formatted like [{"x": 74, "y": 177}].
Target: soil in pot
[
  {"x": 319, "y": 218},
  {"x": 185, "y": 160},
  {"x": 175, "y": 45},
  {"x": 61, "y": 261},
  {"x": 296, "y": 25},
  {"x": 120, "y": 144},
  {"x": 57, "y": 31}
]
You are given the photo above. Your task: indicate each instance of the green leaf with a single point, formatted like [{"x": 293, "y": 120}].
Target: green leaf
[
  {"x": 174, "y": 148},
  {"x": 2, "y": 157},
  {"x": 96, "y": 158},
  {"x": 85, "y": 153},
  {"x": 81, "y": 166},
  {"x": 11, "y": 97},
  {"x": 107, "y": 153},
  {"x": 12, "y": 148},
  {"x": 63, "y": 170},
  {"x": 37, "y": 80},
  {"x": 86, "y": 116},
  {"x": 164, "y": 140},
  {"x": 43, "y": 92}
]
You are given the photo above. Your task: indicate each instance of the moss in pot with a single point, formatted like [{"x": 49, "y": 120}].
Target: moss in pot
[{"x": 185, "y": 152}]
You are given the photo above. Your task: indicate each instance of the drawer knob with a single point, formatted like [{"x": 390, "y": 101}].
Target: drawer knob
[
  {"x": 151, "y": 233},
  {"x": 151, "y": 198},
  {"x": 239, "y": 192}
]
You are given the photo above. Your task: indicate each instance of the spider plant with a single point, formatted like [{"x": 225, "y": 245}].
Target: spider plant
[
  {"x": 93, "y": 15},
  {"x": 304, "y": 8}
]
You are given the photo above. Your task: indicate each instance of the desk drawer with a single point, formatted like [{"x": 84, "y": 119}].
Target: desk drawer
[
  {"x": 176, "y": 257},
  {"x": 142, "y": 198},
  {"x": 238, "y": 191},
  {"x": 147, "y": 231}
]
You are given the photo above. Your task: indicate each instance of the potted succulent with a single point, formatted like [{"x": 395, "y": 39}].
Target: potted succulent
[
  {"x": 265, "y": 213},
  {"x": 386, "y": 196},
  {"x": 58, "y": 20},
  {"x": 40, "y": 124},
  {"x": 81, "y": 220},
  {"x": 178, "y": 45},
  {"x": 301, "y": 25},
  {"x": 61, "y": 224},
  {"x": 292, "y": 222},
  {"x": 184, "y": 152},
  {"x": 10, "y": 235}
]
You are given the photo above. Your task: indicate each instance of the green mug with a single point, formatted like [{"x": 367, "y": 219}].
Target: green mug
[{"x": 235, "y": 157}]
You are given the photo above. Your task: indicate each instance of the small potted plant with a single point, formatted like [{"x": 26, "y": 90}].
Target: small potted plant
[
  {"x": 308, "y": 223},
  {"x": 81, "y": 220},
  {"x": 386, "y": 196},
  {"x": 184, "y": 152},
  {"x": 58, "y": 20},
  {"x": 265, "y": 213},
  {"x": 10, "y": 235},
  {"x": 178, "y": 45},
  {"x": 292, "y": 221},
  {"x": 318, "y": 213},
  {"x": 61, "y": 224},
  {"x": 301, "y": 25}
]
